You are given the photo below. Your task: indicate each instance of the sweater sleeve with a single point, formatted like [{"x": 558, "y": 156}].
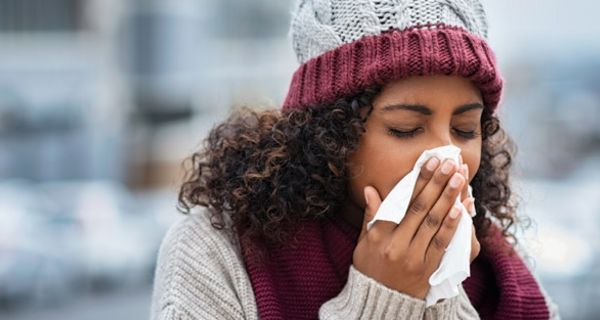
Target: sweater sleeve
[
  {"x": 458, "y": 307},
  {"x": 364, "y": 298},
  {"x": 198, "y": 276}
]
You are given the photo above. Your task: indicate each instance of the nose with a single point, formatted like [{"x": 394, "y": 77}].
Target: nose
[{"x": 440, "y": 137}]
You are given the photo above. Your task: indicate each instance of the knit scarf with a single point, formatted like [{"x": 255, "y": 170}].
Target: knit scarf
[{"x": 296, "y": 280}]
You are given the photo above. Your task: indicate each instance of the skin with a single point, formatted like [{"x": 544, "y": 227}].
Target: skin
[{"x": 403, "y": 256}]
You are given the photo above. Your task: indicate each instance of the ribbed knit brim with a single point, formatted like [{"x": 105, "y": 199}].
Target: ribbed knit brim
[{"x": 350, "y": 68}]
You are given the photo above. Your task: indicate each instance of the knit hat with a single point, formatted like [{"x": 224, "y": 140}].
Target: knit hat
[{"x": 345, "y": 46}]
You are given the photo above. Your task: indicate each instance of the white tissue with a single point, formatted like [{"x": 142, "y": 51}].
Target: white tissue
[{"x": 455, "y": 265}]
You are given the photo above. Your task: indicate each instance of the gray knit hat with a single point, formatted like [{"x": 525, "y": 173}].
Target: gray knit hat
[{"x": 344, "y": 46}]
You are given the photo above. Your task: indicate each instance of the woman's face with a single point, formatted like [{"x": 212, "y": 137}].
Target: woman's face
[{"x": 435, "y": 111}]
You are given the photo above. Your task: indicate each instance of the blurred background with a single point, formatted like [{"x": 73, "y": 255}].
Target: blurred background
[{"x": 101, "y": 100}]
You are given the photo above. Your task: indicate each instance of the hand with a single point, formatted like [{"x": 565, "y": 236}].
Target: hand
[{"x": 403, "y": 256}]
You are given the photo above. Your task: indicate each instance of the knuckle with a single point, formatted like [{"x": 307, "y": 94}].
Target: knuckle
[
  {"x": 450, "y": 194},
  {"x": 417, "y": 207},
  {"x": 450, "y": 223},
  {"x": 391, "y": 254},
  {"x": 438, "y": 243},
  {"x": 432, "y": 221},
  {"x": 374, "y": 235}
]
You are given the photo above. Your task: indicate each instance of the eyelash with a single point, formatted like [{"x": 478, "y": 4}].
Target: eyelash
[{"x": 412, "y": 133}]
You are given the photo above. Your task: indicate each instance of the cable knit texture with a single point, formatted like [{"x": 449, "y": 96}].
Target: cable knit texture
[
  {"x": 347, "y": 46},
  {"x": 502, "y": 286},
  {"x": 319, "y": 26},
  {"x": 200, "y": 274}
]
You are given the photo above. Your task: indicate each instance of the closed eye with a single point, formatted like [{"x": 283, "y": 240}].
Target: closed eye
[
  {"x": 403, "y": 134},
  {"x": 467, "y": 134},
  {"x": 411, "y": 133}
]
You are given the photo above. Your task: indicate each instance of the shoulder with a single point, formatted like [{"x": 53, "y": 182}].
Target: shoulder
[
  {"x": 522, "y": 251},
  {"x": 529, "y": 261},
  {"x": 193, "y": 234},
  {"x": 200, "y": 269}
]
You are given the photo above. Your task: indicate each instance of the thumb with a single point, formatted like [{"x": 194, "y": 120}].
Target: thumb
[{"x": 373, "y": 201}]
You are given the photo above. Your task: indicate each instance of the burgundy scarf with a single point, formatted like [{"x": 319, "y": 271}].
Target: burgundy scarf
[{"x": 296, "y": 281}]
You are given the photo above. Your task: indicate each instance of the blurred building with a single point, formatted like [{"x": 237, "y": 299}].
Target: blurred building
[
  {"x": 141, "y": 81},
  {"x": 100, "y": 101}
]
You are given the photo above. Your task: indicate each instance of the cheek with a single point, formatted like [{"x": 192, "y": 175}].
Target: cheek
[{"x": 380, "y": 164}]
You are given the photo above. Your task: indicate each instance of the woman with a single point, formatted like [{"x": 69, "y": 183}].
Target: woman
[{"x": 286, "y": 194}]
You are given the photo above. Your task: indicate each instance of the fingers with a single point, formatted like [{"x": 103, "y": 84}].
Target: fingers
[
  {"x": 372, "y": 196},
  {"x": 464, "y": 170},
  {"x": 475, "y": 245},
  {"x": 442, "y": 238},
  {"x": 424, "y": 176},
  {"x": 469, "y": 203},
  {"x": 373, "y": 201},
  {"x": 420, "y": 207},
  {"x": 434, "y": 218}
]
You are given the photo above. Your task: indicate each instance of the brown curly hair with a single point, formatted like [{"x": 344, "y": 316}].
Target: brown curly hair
[{"x": 269, "y": 170}]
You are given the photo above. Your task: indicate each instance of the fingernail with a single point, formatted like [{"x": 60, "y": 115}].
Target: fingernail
[
  {"x": 455, "y": 181},
  {"x": 454, "y": 212},
  {"x": 432, "y": 163},
  {"x": 472, "y": 204},
  {"x": 447, "y": 166},
  {"x": 365, "y": 194}
]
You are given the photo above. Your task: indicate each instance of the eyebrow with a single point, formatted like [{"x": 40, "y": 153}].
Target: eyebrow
[{"x": 426, "y": 111}]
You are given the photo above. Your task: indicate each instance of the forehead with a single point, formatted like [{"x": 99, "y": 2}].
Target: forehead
[{"x": 436, "y": 91}]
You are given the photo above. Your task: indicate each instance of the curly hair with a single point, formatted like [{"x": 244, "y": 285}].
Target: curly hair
[{"x": 268, "y": 170}]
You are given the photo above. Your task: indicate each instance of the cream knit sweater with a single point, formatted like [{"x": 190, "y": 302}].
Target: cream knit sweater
[{"x": 200, "y": 274}]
